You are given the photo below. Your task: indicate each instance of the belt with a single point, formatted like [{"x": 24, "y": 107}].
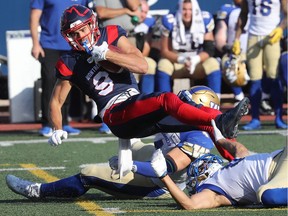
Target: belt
[{"x": 118, "y": 99}]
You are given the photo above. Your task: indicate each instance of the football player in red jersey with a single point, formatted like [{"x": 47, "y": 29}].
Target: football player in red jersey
[{"x": 127, "y": 112}]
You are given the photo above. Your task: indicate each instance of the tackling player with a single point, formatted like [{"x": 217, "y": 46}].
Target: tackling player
[
  {"x": 180, "y": 149},
  {"x": 101, "y": 65}
]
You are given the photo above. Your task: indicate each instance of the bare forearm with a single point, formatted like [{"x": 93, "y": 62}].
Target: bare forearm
[
  {"x": 34, "y": 24},
  {"x": 283, "y": 23},
  {"x": 178, "y": 195},
  {"x": 235, "y": 148},
  {"x": 133, "y": 4},
  {"x": 108, "y": 13}
]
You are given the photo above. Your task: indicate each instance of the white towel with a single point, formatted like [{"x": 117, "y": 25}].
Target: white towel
[{"x": 197, "y": 28}]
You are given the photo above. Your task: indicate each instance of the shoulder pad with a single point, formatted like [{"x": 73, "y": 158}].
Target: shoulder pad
[
  {"x": 208, "y": 21},
  {"x": 167, "y": 21}
]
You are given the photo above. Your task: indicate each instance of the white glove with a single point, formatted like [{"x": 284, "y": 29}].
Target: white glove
[
  {"x": 194, "y": 60},
  {"x": 158, "y": 163},
  {"x": 99, "y": 52},
  {"x": 57, "y": 137},
  {"x": 217, "y": 134}
]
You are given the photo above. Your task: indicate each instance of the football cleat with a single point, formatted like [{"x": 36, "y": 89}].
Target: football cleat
[
  {"x": 104, "y": 129},
  {"x": 70, "y": 130},
  {"x": 228, "y": 122},
  {"x": 254, "y": 124},
  {"x": 280, "y": 124},
  {"x": 46, "y": 131},
  {"x": 266, "y": 108},
  {"x": 23, "y": 187}
]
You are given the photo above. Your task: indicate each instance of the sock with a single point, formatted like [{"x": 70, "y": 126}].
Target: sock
[
  {"x": 283, "y": 67},
  {"x": 255, "y": 98},
  {"x": 277, "y": 97},
  {"x": 214, "y": 81},
  {"x": 68, "y": 187},
  {"x": 162, "y": 82},
  {"x": 146, "y": 84},
  {"x": 237, "y": 91},
  {"x": 275, "y": 197},
  {"x": 145, "y": 168}
]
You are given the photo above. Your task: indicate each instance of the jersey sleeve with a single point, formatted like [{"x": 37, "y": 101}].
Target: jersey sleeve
[
  {"x": 114, "y": 32},
  {"x": 167, "y": 24},
  {"x": 62, "y": 69},
  {"x": 208, "y": 21},
  {"x": 224, "y": 11}
]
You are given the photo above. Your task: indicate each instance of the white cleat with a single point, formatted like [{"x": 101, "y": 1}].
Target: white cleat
[{"x": 23, "y": 187}]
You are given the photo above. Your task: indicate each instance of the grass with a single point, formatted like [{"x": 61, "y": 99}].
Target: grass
[{"x": 27, "y": 149}]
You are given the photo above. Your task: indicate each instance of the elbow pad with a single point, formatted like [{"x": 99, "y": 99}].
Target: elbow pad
[{"x": 209, "y": 47}]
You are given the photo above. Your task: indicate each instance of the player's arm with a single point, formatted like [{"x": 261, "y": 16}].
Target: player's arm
[
  {"x": 283, "y": 23},
  {"x": 129, "y": 57},
  {"x": 242, "y": 19},
  {"x": 37, "y": 50},
  {"x": 59, "y": 95},
  {"x": 204, "y": 199},
  {"x": 220, "y": 35}
]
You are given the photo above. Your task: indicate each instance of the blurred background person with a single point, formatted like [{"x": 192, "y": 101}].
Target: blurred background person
[
  {"x": 187, "y": 47},
  {"x": 47, "y": 48},
  {"x": 226, "y": 21},
  {"x": 263, "y": 52}
]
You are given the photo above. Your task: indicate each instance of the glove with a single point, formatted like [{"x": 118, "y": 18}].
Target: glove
[
  {"x": 276, "y": 35},
  {"x": 57, "y": 137},
  {"x": 113, "y": 162},
  {"x": 217, "y": 134},
  {"x": 194, "y": 60},
  {"x": 236, "y": 49},
  {"x": 99, "y": 52},
  {"x": 158, "y": 163}
]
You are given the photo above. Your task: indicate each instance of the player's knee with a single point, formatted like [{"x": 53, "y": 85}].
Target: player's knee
[
  {"x": 164, "y": 65},
  {"x": 151, "y": 65},
  {"x": 274, "y": 197},
  {"x": 211, "y": 65}
]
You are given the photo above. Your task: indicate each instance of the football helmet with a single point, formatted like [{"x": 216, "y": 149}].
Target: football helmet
[
  {"x": 201, "y": 95},
  {"x": 201, "y": 169},
  {"x": 234, "y": 70},
  {"x": 74, "y": 18}
]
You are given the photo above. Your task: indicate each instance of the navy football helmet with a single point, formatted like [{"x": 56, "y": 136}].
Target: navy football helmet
[{"x": 75, "y": 17}]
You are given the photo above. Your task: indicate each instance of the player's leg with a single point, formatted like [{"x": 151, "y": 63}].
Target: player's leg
[
  {"x": 147, "y": 81},
  {"x": 138, "y": 116},
  {"x": 271, "y": 60},
  {"x": 163, "y": 75},
  {"x": 68, "y": 187},
  {"x": 274, "y": 193},
  {"x": 213, "y": 75},
  {"x": 255, "y": 66},
  {"x": 129, "y": 186}
]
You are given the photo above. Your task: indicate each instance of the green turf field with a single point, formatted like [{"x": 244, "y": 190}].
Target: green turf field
[{"x": 27, "y": 155}]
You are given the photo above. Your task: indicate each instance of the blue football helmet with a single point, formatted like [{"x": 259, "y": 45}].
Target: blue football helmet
[{"x": 201, "y": 169}]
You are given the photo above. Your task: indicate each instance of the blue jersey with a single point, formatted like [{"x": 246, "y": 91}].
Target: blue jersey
[
  {"x": 91, "y": 78},
  {"x": 52, "y": 10}
]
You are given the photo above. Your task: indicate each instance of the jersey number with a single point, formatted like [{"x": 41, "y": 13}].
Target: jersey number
[
  {"x": 265, "y": 8},
  {"x": 103, "y": 83}
]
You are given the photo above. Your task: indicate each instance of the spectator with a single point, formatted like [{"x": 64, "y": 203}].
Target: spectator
[
  {"x": 265, "y": 32},
  {"x": 187, "y": 48},
  {"x": 47, "y": 49}
]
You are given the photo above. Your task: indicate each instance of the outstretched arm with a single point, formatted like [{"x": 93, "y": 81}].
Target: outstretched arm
[{"x": 204, "y": 199}]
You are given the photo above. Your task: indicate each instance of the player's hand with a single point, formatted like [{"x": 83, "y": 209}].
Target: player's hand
[
  {"x": 158, "y": 163},
  {"x": 113, "y": 162},
  {"x": 57, "y": 137},
  {"x": 276, "y": 35},
  {"x": 182, "y": 58},
  {"x": 99, "y": 52},
  {"x": 236, "y": 48},
  {"x": 217, "y": 134},
  {"x": 194, "y": 61}
]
